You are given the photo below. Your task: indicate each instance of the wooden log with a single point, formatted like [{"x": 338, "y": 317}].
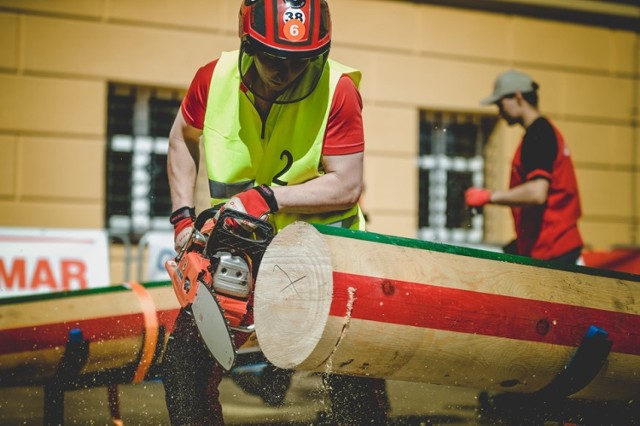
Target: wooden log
[
  {"x": 356, "y": 303},
  {"x": 124, "y": 330}
]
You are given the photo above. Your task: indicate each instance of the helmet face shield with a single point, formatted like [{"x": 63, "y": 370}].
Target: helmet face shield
[
  {"x": 280, "y": 80},
  {"x": 285, "y": 44}
]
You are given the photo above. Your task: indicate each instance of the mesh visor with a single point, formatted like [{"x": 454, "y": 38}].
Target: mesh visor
[{"x": 296, "y": 90}]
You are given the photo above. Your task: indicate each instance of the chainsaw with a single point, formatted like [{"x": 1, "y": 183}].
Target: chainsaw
[{"x": 221, "y": 258}]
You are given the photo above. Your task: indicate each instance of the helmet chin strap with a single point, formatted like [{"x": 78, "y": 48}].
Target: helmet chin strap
[
  {"x": 259, "y": 90},
  {"x": 253, "y": 82}
]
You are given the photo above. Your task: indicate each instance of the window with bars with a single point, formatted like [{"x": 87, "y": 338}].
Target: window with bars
[
  {"x": 451, "y": 160},
  {"x": 139, "y": 119}
]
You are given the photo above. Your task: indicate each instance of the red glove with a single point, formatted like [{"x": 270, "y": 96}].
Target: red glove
[
  {"x": 257, "y": 202},
  {"x": 477, "y": 197},
  {"x": 182, "y": 220}
]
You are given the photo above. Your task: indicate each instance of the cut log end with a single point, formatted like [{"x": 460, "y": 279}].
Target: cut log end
[{"x": 293, "y": 295}]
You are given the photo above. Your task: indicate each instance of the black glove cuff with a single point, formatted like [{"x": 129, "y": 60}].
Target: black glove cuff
[
  {"x": 182, "y": 213},
  {"x": 269, "y": 197}
]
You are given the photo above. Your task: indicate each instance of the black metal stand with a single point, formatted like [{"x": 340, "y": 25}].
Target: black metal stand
[
  {"x": 552, "y": 402},
  {"x": 74, "y": 358}
]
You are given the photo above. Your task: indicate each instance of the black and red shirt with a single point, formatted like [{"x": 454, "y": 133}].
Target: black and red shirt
[{"x": 550, "y": 230}]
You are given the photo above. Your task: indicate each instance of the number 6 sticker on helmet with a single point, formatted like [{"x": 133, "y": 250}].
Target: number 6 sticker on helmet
[{"x": 294, "y": 30}]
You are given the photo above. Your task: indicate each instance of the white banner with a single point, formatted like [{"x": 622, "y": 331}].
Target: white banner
[
  {"x": 159, "y": 250},
  {"x": 34, "y": 260}
]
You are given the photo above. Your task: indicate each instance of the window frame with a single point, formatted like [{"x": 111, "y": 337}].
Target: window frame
[{"x": 438, "y": 161}]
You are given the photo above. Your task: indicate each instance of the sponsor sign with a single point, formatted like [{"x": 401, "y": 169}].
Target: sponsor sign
[
  {"x": 34, "y": 260},
  {"x": 159, "y": 250}
]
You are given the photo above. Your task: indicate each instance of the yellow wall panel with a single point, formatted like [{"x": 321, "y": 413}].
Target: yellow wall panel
[
  {"x": 59, "y": 214},
  {"x": 599, "y": 96},
  {"x": 597, "y": 143},
  {"x": 433, "y": 82},
  {"x": 405, "y": 79},
  {"x": 636, "y": 199},
  {"x": 401, "y": 225},
  {"x": 8, "y": 153},
  {"x": 567, "y": 45},
  {"x": 498, "y": 225},
  {"x": 380, "y": 24},
  {"x": 117, "y": 260},
  {"x": 622, "y": 44},
  {"x": 9, "y": 43},
  {"x": 637, "y": 85},
  {"x": 391, "y": 129},
  {"x": 498, "y": 155},
  {"x": 177, "y": 13},
  {"x": 457, "y": 32},
  {"x": 636, "y": 146},
  {"x": 62, "y": 167},
  {"x": 604, "y": 236},
  {"x": 84, "y": 8},
  {"x": 118, "y": 264},
  {"x": 119, "y": 52},
  {"x": 52, "y": 105},
  {"x": 391, "y": 184},
  {"x": 217, "y": 15},
  {"x": 605, "y": 193},
  {"x": 228, "y": 16}
]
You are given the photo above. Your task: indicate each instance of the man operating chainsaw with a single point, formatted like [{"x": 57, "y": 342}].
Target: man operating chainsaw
[{"x": 283, "y": 140}]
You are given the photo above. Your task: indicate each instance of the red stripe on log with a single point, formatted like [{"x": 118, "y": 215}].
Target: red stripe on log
[
  {"x": 429, "y": 306},
  {"x": 49, "y": 336}
]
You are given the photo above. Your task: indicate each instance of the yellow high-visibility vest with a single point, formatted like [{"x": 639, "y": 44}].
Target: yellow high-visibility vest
[{"x": 241, "y": 151}]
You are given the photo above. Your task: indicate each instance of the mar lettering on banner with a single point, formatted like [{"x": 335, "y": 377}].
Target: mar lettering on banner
[{"x": 34, "y": 260}]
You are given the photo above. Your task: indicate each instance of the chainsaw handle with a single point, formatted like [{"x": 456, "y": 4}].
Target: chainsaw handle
[
  {"x": 206, "y": 215},
  {"x": 261, "y": 234},
  {"x": 251, "y": 244}
]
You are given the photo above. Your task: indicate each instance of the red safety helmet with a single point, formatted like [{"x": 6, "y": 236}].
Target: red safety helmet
[
  {"x": 296, "y": 32},
  {"x": 295, "y": 29}
]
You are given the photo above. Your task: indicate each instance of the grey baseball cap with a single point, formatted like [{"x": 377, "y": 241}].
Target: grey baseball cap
[{"x": 510, "y": 82}]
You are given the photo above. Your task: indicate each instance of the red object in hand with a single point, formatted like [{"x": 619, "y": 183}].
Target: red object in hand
[
  {"x": 182, "y": 221},
  {"x": 181, "y": 226},
  {"x": 477, "y": 197},
  {"x": 257, "y": 202}
]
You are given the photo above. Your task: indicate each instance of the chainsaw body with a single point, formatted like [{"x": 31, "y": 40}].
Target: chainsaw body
[
  {"x": 186, "y": 275},
  {"x": 221, "y": 257}
]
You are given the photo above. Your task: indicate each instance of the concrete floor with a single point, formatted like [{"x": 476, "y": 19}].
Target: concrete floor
[{"x": 143, "y": 404}]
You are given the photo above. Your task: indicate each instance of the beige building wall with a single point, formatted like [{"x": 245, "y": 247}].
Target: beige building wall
[{"x": 56, "y": 59}]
